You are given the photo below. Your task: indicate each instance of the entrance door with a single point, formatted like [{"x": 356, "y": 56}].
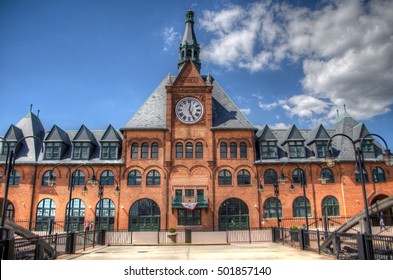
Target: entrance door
[
  {"x": 144, "y": 216},
  {"x": 233, "y": 215}
]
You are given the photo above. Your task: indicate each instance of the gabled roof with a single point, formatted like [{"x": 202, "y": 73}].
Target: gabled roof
[
  {"x": 56, "y": 134},
  {"x": 111, "y": 135},
  {"x": 84, "y": 135},
  {"x": 13, "y": 134},
  {"x": 317, "y": 133},
  {"x": 152, "y": 114},
  {"x": 292, "y": 134},
  {"x": 266, "y": 134}
]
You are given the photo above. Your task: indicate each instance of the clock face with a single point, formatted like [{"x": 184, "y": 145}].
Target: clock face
[{"x": 189, "y": 110}]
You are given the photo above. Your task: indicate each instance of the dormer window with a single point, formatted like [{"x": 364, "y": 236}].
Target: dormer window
[
  {"x": 81, "y": 150},
  {"x": 268, "y": 149},
  {"x": 296, "y": 149},
  {"x": 53, "y": 150},
  {"x": 368, "y": 146},
  {"x": 11, "y": 145},
  {"x": 109, "y": 150},
  {"x": 321, "y": 149}
]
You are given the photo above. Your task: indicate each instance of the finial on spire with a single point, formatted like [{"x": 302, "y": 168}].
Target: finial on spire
[
  {"x": 189, "y": 47},
  {"x": 31, "y": 108},
  {"x": 38, "y": 113},
  {"x": 338, "y": 113},
  {"x": 345, "y": 108}
]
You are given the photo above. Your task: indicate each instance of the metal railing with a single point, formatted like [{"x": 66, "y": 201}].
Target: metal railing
[{"x": 346, "y": 246}]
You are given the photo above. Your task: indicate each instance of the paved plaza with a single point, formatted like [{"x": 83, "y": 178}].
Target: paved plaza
[{"x": 254, "y": 251}]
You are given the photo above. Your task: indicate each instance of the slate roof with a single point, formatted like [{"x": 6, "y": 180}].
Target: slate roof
[
  {"x": 342, "y": 147},
  {"x": 152, "y": 114}
]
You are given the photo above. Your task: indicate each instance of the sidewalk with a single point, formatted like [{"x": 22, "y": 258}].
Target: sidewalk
[{"x": 255, "y": 251}]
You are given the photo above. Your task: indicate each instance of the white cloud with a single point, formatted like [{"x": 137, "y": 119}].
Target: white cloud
[
  {"x": 346, "y": 48},
  {"x": 279, "y": 126},
  {"x": 245, "y": 111},
  {"x": 171, "y": 37}
]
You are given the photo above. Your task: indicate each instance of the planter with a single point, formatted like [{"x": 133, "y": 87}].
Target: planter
[
  {"x": 172, "y": 237},
  {"x": 294, "y": 235}
]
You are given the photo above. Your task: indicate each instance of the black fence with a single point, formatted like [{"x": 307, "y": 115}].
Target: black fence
[
  {"x": 49, "y": 246},
  {"x": 339, "y": 245},
  {"x": 346, "y": 246}
]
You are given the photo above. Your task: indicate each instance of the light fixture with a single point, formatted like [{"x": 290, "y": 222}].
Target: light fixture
[
  {"x": 292, "y": 188},
  {"x": 260, "y": 188},
  {"x": 329, "y": 159}
]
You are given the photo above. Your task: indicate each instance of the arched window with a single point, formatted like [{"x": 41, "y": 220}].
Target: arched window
[
  {"x": 233, "y": 214},
  {"x": 153, "y": 178},
  {"x": 10, "y": 212},
  {"x": 189, "y": 150},
  {"x": 144, "y": 215},
  {"x": 134, "y": 178},
  {"x": 179, "y": 150},
  {"x": 270, "y": 208},
  {"x": 358, "y": 177},
  {"x": 224, "y": 177},
  {"x": 105, "y": 214},
  {"x": 270, "y": 176},
  {"x": 223, "y": 150},
  {"x": 243, "y": 177},
  {"x": 378, "y": 175},
  {"x": 134, "y": 150},
  {"x": 76, "y": 215},
  {"x": 46, "y": 211},
  {"x": 14, "y": 178},
  {"x": 233, "y": 150},
  {"x": 328, "y": 175},
  {"x": 298, "y": 207},
  {"x": 46, "y": 176},
  {"x": 79, "y": 177},
  {"x": 107, "y": 178},
  {"x": 199, "y": 150},
  {"x": 243, "y": 150},
  {"x": 145, "y": 150},
  {"x": 154, "y": 150},
  {"x": 330, "y": 206},
  {"x": 297, "y": 176}
]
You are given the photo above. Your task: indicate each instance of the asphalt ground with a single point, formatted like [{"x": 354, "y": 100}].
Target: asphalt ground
[{"x": 238, "y": 251}]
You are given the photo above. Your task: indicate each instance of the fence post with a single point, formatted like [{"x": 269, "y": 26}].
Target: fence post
[
  {"x": 70, "y": 243},
  {"x": 249, "y": 234},
  {"x": 274, "y": 234},
  {"x": 8, "y": 249},
  {"x": 38, "y": 254},
  {"x": 365, "y": 247},
  {"x": 318, "y": 242},
  {"x": 302, "y": 239}
]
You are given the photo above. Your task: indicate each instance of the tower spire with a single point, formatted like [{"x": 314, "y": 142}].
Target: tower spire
[{"x": 189, "y": 47}]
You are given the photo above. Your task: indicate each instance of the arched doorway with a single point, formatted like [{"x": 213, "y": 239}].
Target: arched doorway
[
  {"x": 105, "y": 214},
  {"x": 46, "y": 211},
  {"x": 387, "y": 214},
  {"x": 233, "y": 214},
  {"x": 77, "y": 215},
  {"x": 144, "y": 216}
]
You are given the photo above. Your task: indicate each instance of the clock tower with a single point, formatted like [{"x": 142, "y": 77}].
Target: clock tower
[{"x": 175, "y": 141}]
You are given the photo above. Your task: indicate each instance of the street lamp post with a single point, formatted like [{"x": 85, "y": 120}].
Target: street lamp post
[
  {"x": 71, "y": 183},
  {"x": 359, "y": 159},
  {"x": 101, "y": 194},
  {"x": 9, "y": 170}
]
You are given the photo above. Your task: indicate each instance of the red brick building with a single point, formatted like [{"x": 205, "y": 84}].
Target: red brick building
[{"x": 188, "y": 158}]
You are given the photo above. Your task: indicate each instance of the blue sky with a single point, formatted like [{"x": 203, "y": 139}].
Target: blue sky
[{"x": 95, "y": 62}]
